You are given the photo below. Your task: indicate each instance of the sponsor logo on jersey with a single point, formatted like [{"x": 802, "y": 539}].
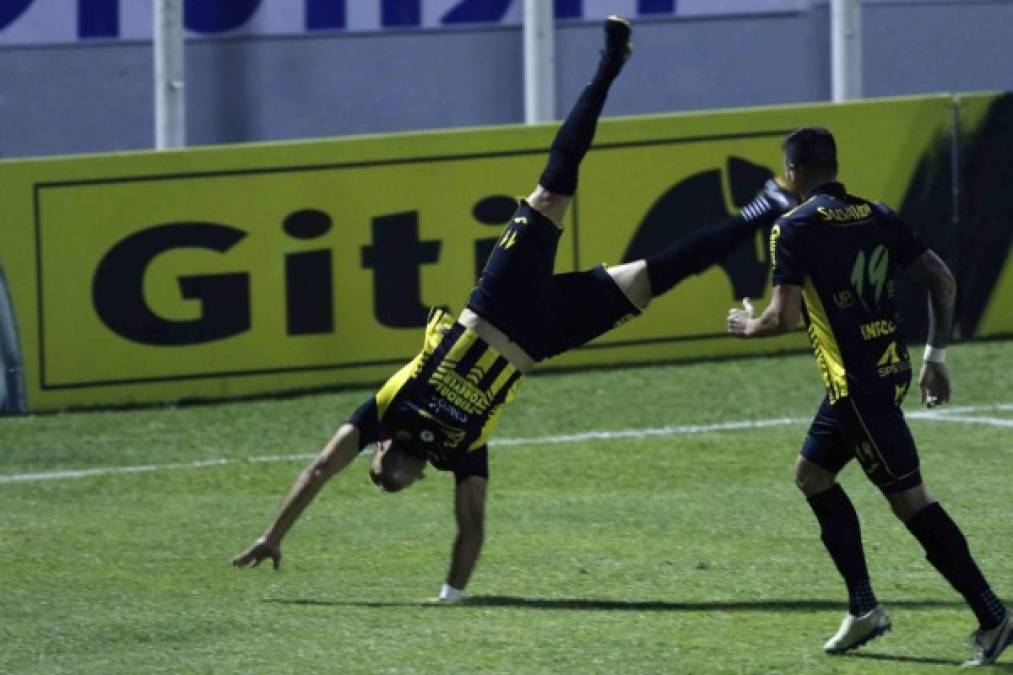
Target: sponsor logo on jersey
[
  {"x": 847, "y": 214},
  {"x": 459, "y": 390},
  {"x": 877, "y": 329},
  {"x": 894, "y": 368},
  {"x": 844, "y": 299}
]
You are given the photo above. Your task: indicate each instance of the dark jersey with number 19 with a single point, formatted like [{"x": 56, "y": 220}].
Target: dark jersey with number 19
[{"x": 843, "y": 251}]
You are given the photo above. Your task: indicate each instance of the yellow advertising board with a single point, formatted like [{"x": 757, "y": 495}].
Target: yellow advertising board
[
  {"x": 985, "y": 226},
  {"x": 234, "y": 271}
]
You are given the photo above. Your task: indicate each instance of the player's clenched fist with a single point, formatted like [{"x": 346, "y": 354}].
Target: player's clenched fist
[
  {"x": 934, "y": 384},
  {"x": 260, "y": 550}
]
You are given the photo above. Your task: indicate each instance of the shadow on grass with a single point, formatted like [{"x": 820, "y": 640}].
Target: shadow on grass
[
  {"x": 874, "y": 656},
  {"x": 588, "y": 604}
]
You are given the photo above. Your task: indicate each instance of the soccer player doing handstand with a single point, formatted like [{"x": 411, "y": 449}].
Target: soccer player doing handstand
[{"x": 442, "y": 407}]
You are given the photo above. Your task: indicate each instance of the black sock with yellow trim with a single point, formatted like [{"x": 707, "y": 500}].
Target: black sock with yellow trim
[
  {"x": 947, "y": 550},
  {"x": 575, "y": 135},
  {"x": 842, "y": 536}
]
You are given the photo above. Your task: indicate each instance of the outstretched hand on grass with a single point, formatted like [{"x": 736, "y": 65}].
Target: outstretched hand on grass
[{"x": 257, "y": 553}]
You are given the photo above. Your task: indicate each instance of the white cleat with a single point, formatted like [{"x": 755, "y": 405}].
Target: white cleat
[
  {"x": 987, "y": 645},
  {"x": 450, "y": 595},
  {"x": 855, "y": 631}
]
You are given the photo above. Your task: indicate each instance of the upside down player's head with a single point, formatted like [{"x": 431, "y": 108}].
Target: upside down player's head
[
  {"x": 394, "y": 468},
  {"x": 810, "y": 159}
]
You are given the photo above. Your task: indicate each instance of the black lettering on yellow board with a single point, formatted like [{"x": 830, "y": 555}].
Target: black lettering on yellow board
[
  {"x": 396, "y": 257},
  {"x": 241, "y": 277},
  {"x": 118, "y": 287}
]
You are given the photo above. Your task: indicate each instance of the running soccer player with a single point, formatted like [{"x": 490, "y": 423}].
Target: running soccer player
[
  {"x": 442, "y": 407},
  {"x": 834, "y": 259}
]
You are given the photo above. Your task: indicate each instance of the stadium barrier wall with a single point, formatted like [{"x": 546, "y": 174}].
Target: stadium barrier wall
[
  {"x": 982, "y": 235},
  {"x": 234, "y": 271}
]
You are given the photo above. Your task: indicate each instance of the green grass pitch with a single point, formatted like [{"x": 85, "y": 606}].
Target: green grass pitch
[{"x": 666, "y": 552}]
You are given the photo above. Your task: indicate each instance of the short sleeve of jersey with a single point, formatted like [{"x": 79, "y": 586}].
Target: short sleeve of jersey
[
  {"x": 904, "y": 245},
  {"x": 367, "y": 421},
  {"x": 784, "y": 255}
]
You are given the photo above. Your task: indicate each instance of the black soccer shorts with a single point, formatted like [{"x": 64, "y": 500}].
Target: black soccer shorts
[
  {"x": 868, "y": 424},
  {"x": 545, "y": 313}
]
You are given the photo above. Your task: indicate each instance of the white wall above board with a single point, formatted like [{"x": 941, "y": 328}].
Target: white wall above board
[{"x": 25, "y": 22}]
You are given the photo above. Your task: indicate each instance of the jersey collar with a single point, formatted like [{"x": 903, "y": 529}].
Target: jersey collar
[{"x": 833, "y": 189}]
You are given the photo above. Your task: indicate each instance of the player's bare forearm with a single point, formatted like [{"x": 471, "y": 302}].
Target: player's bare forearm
[
  {"x": 335, "y": 456},
  {"x": 931, "y": 271},
  {"x": 768, "y": 324},
  {"x": 941, "y": 317},
  {"x": 469, "y": 507}
]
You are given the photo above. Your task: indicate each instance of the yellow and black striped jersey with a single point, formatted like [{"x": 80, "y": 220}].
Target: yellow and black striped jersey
[
  {"x": 843, "y": 251},
  {"x": 447, "y": 399}
]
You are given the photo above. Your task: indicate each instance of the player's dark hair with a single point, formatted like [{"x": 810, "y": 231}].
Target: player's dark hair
[
  {"x": 384, "y": 478},
  {"x": 384, "y": 481},
  {"x": 811, "y": 148}
]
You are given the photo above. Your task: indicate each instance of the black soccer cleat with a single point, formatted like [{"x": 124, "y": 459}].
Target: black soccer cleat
[
  {"x": 987, "y": 645},
  {"x": 770, "y": 202},
  {"x": 617, "y": 38}
]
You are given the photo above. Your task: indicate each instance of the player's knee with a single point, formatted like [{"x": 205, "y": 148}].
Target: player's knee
[
  {"x": 633, "y": 280},
  {"x": 811, "y": 478},
  {"x": 477, "y": 531},
  {"x": 550, "y": 204},
  {"x": 907, "y": 503}
]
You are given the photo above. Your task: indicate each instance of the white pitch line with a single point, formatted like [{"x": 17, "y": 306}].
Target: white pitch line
[
  {"x": 959, "y": 409},
  {"x": 655, "y": 431},
  {"x": 968, "y": 419},
  {"x": 270, "y": 459},
  {"x": 954, "y": 414},
  {"x": 105, "y": 471}
]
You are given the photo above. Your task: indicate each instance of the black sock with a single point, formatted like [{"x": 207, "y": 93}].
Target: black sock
[
  {"x": 767, "y": 206},
  {"x": 946, "y": 549},
  {"x": 696, "y": 252},
  {"x": 574, "y": 138},
  {"x": 842, "y": 535}
]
